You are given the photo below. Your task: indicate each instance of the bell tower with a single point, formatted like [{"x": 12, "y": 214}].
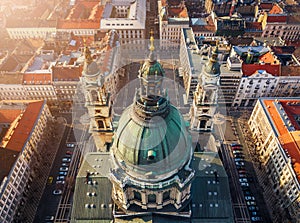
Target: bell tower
[
  {"x": 97, "y": 102},
  {"x": 205, "y": 99}
]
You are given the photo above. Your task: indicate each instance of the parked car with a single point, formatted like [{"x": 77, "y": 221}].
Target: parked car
[
  {"x": 237, "y": 152},
  {"x": 238, "y": 155},
  {"x": 57, "y": 192},
  {"x": 70, "y": 145},
  {"x": 242, "y": 171},
  {"x": 256, "y": 219},
  {"x": 60, "y": 182},
  {"x": 68, "y": 156},
  {"x": 67, "y": 160},
  {"x": 235, "y": 144},
  {"x": 253, "y": 213},
  {"x": 60, "y": 177},
  {"x": 242, "y": 175},
  {"x": 249, "y": 198},
  {"x": 69, "y": 152},
  {"x": 49, "y": 219},
  {"x": 253, "y": 208},
  {"x": 64, "y": 169},
  {"x": 245, "y": 188},
  {"x": 65, "y": 164},
  {"x": 244, "y": 184},
  {"x": 62, "y": 173},
  {"x": 237, "y": 148},
  {"x": 239, "y": 167},
  {"x": 251, "y": 203},
  {"x": 238, "y": 159},
  {"x": 50, "y": 180},
  {"x": 247, "y": 193},
  {"x": 243, "y": 180},
  {"x": 240, "y": 163}
]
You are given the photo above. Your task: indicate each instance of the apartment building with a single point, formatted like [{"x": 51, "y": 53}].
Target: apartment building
[
  {"x": 275, "y": 127},
  {"x": 127, "y": 17},
  {"x": 25, "y": 122},
  {"x": 277, "y": 23},
  {"x": 173, "y": 16}
]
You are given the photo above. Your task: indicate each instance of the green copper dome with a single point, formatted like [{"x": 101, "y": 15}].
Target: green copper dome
[
  {"x": 151, "y": 67},
  {"x": 154, "y": 148},
  {"x": 212, "y": 68}
]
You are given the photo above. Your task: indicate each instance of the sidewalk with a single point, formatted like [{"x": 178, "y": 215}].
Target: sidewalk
[{"x": 50, "y": 144}]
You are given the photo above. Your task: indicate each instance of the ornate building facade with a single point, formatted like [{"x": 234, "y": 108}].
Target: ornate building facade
[{"x": 206, "y": 96}]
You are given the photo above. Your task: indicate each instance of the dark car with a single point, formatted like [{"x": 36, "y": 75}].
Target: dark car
[{"x": 253, "y": 208}]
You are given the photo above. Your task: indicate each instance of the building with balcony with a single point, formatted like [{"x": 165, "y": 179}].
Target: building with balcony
[
  {"x": 22, "y": 125},
  {"x": 275, "y": 126}
]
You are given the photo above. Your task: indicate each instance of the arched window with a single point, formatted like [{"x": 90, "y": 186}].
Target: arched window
[
  {"x": 137, "y": 195},
  {"x": 152, "y": 198},
  {"x": 166, "y": 195}
]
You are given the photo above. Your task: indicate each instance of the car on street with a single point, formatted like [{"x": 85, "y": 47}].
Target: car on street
[
  {"x": 249, "y": 198},
  {"x": 253, "y": 213},
  {"x": 239, "y": 167},
  {"x": 251, "y": 203},
  {"x": 62, "y": 173},
  {"x": 69, "y": 152},
  {"x": 60, "y": 182},
  {"x": 240, "y": 163},
  {"x": 239, "y": 155},
  {"x": 245, "y": 188},
  {"x": 49, "y": 218},
  {"x": 60, "y": 177},
  {"x": 68, "y": 156},
  {"x": 256, "y": 219},
  {"x": 67, "y": 160},
  {"x": 237, "y": 148},
  {"x": 244, "y": 184},
  {"x": 65, "y": 164},
  {"x": 238, "y": 159},
  {"x": 70, "y": 145},
  {"x": 235, "y": 144},
  {"x": 50, "y": 180},
  {"x": 57, "y": 192},
  {"x": 253, "y": 208},
  {"x": 247, "y": 193},
  {"x": 243, "y": 180},
  {"x": 237, "y": 152},
  {"x": 64, "y": 169},
  {"x": 242, "y": 175},
  {"x": 242, "y": 171}
]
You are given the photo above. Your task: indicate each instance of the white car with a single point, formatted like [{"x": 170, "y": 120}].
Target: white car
[
  {"x": 60, "y": 177},
  {"x": 70, "y": 145},
  {"x": 60, "y": 182},
  {"x": 64, "y": 168},
  {"x": 67, "y": 160},
  {"x": 57, "y": 192}
]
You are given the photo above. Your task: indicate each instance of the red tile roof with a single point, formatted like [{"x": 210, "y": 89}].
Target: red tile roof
[
  {"x": 78, "y": 24},
  {"x": 67, "y": 73},
  {"x": 290, "y": 140},
  {"x": 276, "y": 9},
  {"x": 9, "y": 115},
  {"x": 25, "y": 126},
  {"x": 37, "y": 78},
  {"x": 249, "y": 69},
  {"x": 277, "y": 18}
]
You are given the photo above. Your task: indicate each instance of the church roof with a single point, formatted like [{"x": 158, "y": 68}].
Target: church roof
[
  {"x": 166, "y": 139},
  {"x": 88, "y": 206}
]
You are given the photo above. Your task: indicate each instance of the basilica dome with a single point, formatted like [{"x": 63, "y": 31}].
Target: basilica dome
[{"x": 152, "y": 142}]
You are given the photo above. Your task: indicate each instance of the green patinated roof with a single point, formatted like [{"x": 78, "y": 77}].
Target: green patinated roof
[
  {"x": 152, "y": 68},
  {"x": 211, "y": 200},
  {"x": 98, "y": 166},
  {"x": 167, "y": 137}
]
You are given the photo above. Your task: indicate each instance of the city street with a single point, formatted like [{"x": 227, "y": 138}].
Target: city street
[{"x": 235, "y": 132}]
